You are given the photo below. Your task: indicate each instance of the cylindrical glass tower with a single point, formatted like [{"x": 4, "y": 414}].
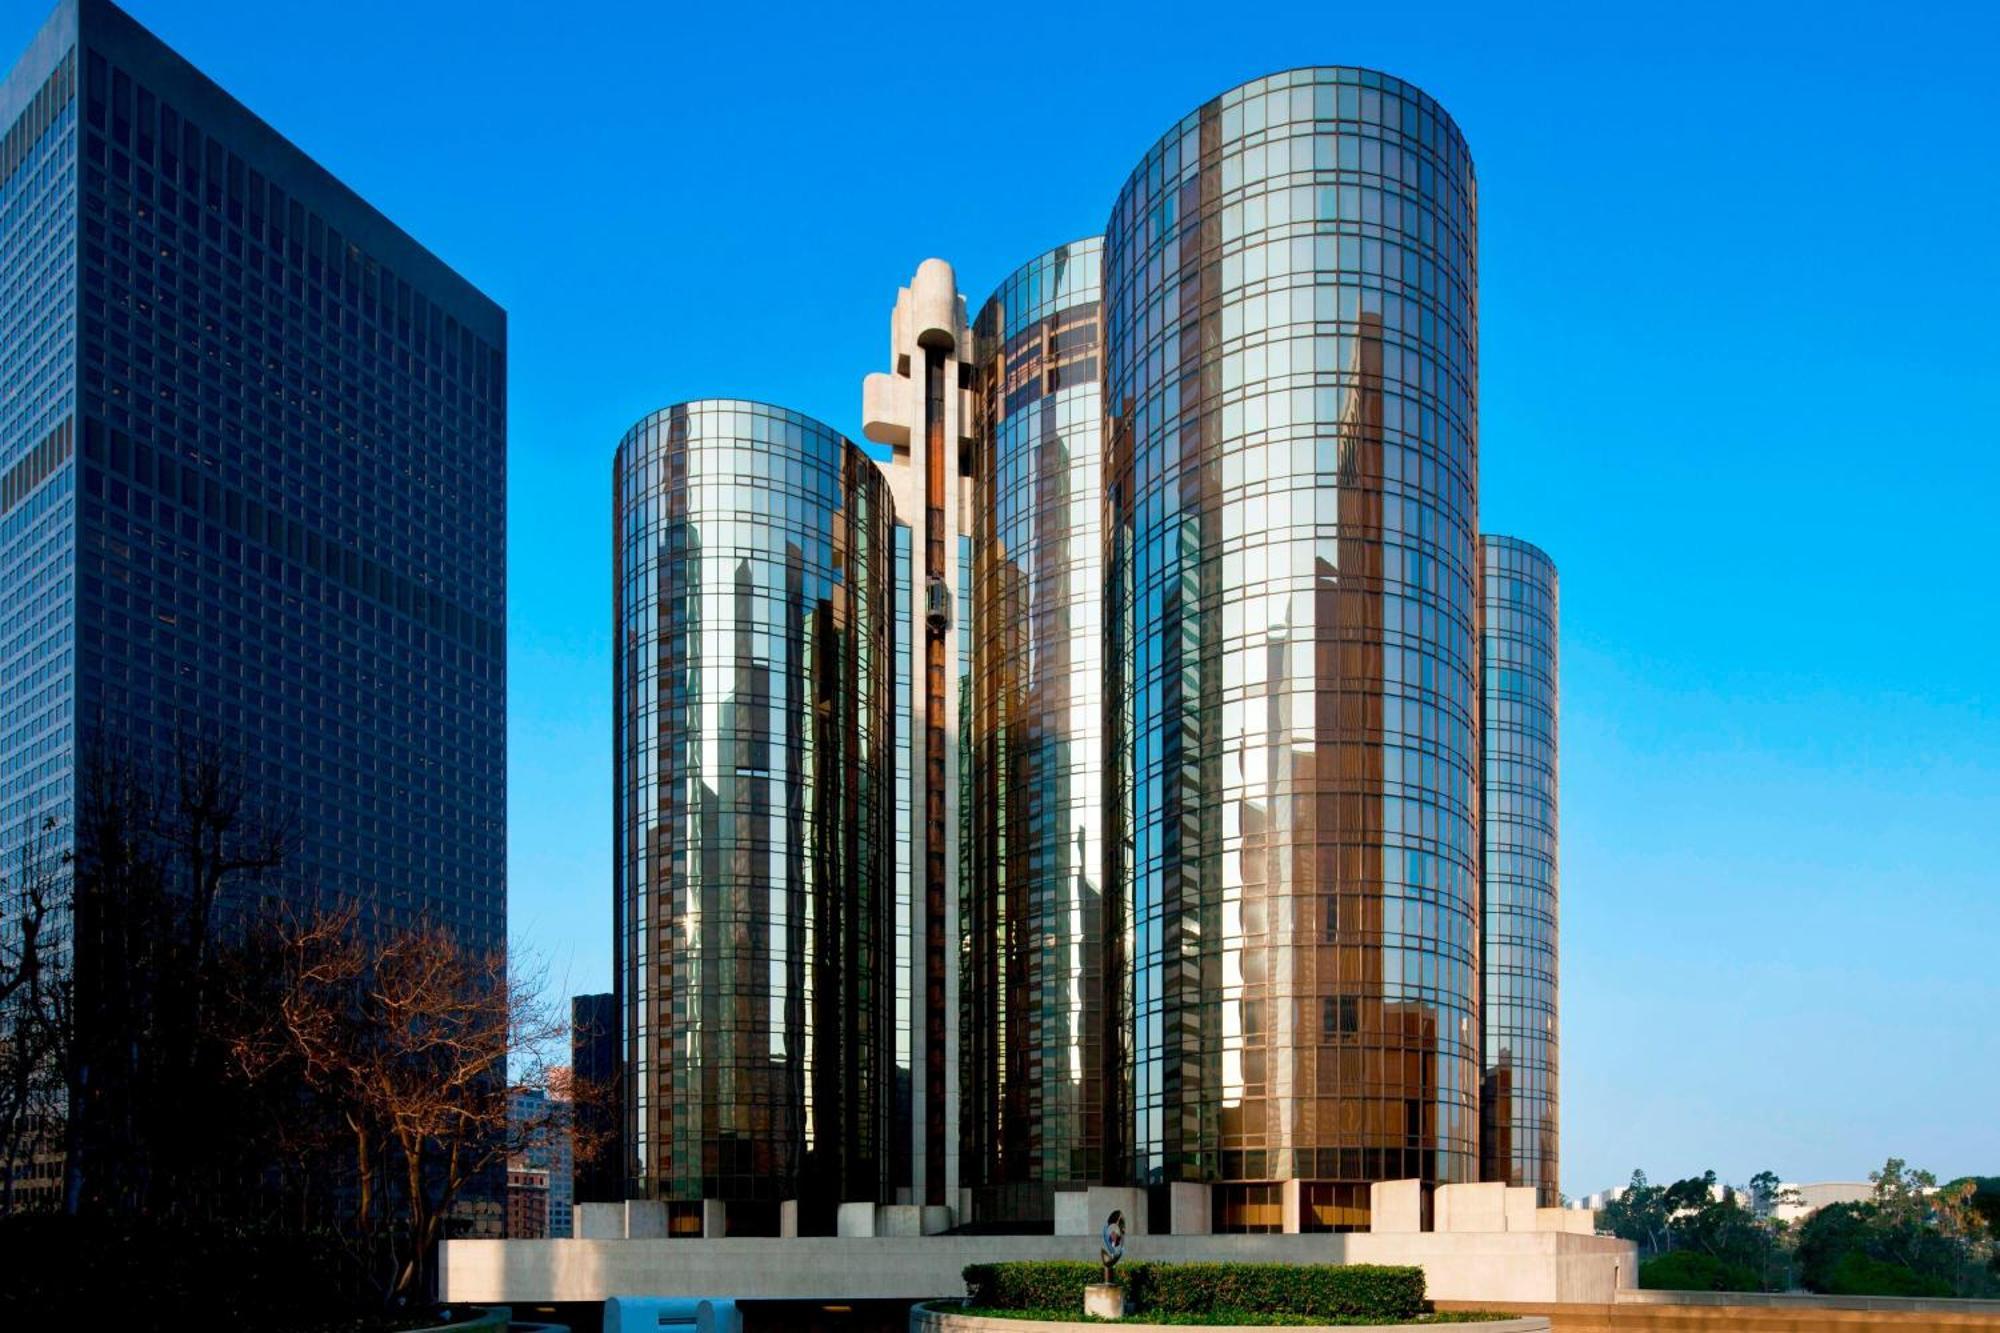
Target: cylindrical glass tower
[
  {"x": 1032, "y": 977},
  {"x": 1518, "y": 1101},
  {"x": 1291, "y": 472},
  {"x": 754, "y": 601}
]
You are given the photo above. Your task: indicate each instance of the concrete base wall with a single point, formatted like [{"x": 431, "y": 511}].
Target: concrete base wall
[
  {"x": 1496, "y": 1266},
  {"x": 855, "y": 1220},
  {"x": 1190, "y": 1210},
  {"x": 1396, "y": 1206},
  {"x": 899, "y": 1219},
  {"x": 1082, "y": 1212},
  {"x": 1470, "y": 1208},
  {"x": 598, "y": 1221}
]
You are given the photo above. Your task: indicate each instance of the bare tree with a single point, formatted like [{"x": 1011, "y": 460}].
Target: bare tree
[
  {"x": 420, "y": 1045},
  {"x": 159, "y": 851},
  {"x": 34, "y": 1006}
]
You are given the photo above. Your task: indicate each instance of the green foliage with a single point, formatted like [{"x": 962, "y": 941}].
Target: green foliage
[
  {"x": 1691, "y": 1215},
  {"x": 1911, "y": 1237},
  {"x": 1324, "y": 1290},
  {"x": 1858, "y": 1275},
  {"x": 1686, "y": 1270}
]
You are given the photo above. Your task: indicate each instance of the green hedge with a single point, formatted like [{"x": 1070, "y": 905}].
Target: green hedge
[{"x": 1323, "y": 1290}]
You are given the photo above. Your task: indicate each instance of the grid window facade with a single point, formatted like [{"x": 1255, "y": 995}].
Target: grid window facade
[
  {"x": 252, "y": 485},
  {"x": 291, "y": 539},
  {"x": 1293, "y": 666},
  {"x": 1032, "y": 989},
  {"x": 754, "y": 601},
  {"x": 37, "y": 452},
  {"x": 1518, "y": 1102}
]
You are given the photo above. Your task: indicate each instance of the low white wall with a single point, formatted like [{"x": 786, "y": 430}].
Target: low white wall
[{"x": 1459, "y": 1266}]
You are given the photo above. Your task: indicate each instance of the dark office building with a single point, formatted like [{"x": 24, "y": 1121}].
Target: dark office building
[
  {"x": 252, "y": 484},
  {"x": 594, "y": 1085}
]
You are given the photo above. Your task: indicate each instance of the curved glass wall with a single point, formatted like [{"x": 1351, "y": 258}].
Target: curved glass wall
[
  {"x": 755, "y": 831},
  {"x": 1292, "y": 603},
  {"x": 1032, "y": 980},
  {"x": 1518, "y": 1103}
]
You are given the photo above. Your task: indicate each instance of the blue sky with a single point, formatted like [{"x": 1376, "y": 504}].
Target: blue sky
[{"x": 1740, "y": 376}]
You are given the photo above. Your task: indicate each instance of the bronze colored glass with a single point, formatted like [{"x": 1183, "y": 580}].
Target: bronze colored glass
[
  {"x": 1032, "y": 976},
  {"x": 754, "y": 588},
  {"x": 1292, "y": 588},
  {"x": 1519, "y": 946}
]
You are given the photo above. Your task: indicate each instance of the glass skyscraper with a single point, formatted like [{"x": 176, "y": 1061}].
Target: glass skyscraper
[
  {"x": 252, "y": 483},
  {"x": 1291, "y": 398},
  {"x": 754, "y": 603},
  {"x": 1032, "y": 983},
  {"x": 1518, "y": 1099},
  {"x": 1219, "y": 770}
]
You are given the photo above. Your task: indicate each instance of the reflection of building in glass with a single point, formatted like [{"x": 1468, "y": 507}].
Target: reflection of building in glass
[
  {"x": 1290, "y": 388},
  {"x": 1518, "y": 1110},
  {"x": 1032, "y": 979},
  {"x": 753, "y": 857}
]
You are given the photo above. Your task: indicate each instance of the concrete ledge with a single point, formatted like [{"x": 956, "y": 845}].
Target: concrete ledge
[
  {"x": 945, "y": 1319},
  {"x": 1799, "y": 1300},
  {"x": 1784, "y": 1314},
  {"x": 1484, "y": 1269}
]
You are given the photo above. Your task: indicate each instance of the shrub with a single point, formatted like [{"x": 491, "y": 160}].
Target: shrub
[
  {"x": 1685, "y": 1270},
  {"x": 1324, "y": 1290}
]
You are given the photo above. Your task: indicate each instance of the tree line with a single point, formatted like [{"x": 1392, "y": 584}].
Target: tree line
[{"x": 1910, "y": 1237}]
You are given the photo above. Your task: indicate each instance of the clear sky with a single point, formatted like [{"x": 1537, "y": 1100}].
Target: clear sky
[{"x": 1741, "y": 377}]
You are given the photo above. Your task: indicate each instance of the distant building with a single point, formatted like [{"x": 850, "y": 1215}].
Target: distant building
[
  {"x": 542, "y": 1122},
  {"x": 527, "y": 1201},
  {"x": 1811, "y": 1198},
  {"x": 597, "y": 1167}
]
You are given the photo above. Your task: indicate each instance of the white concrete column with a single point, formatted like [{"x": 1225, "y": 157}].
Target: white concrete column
[
  {"x": 1396, "y": 1206},
  {"x": 1100, "y": 1200},
  {"x": 855, "y": 1219},
  {"x": 1293, "y": 1204},
  {"x": 1471, "y": 1207},
  {"x": 1073, "y": 1214},
  {"x": 598, "y": 1221},
  {"x": 645, "y": 1219},
  {"x": 1190, "y": 1209}
]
